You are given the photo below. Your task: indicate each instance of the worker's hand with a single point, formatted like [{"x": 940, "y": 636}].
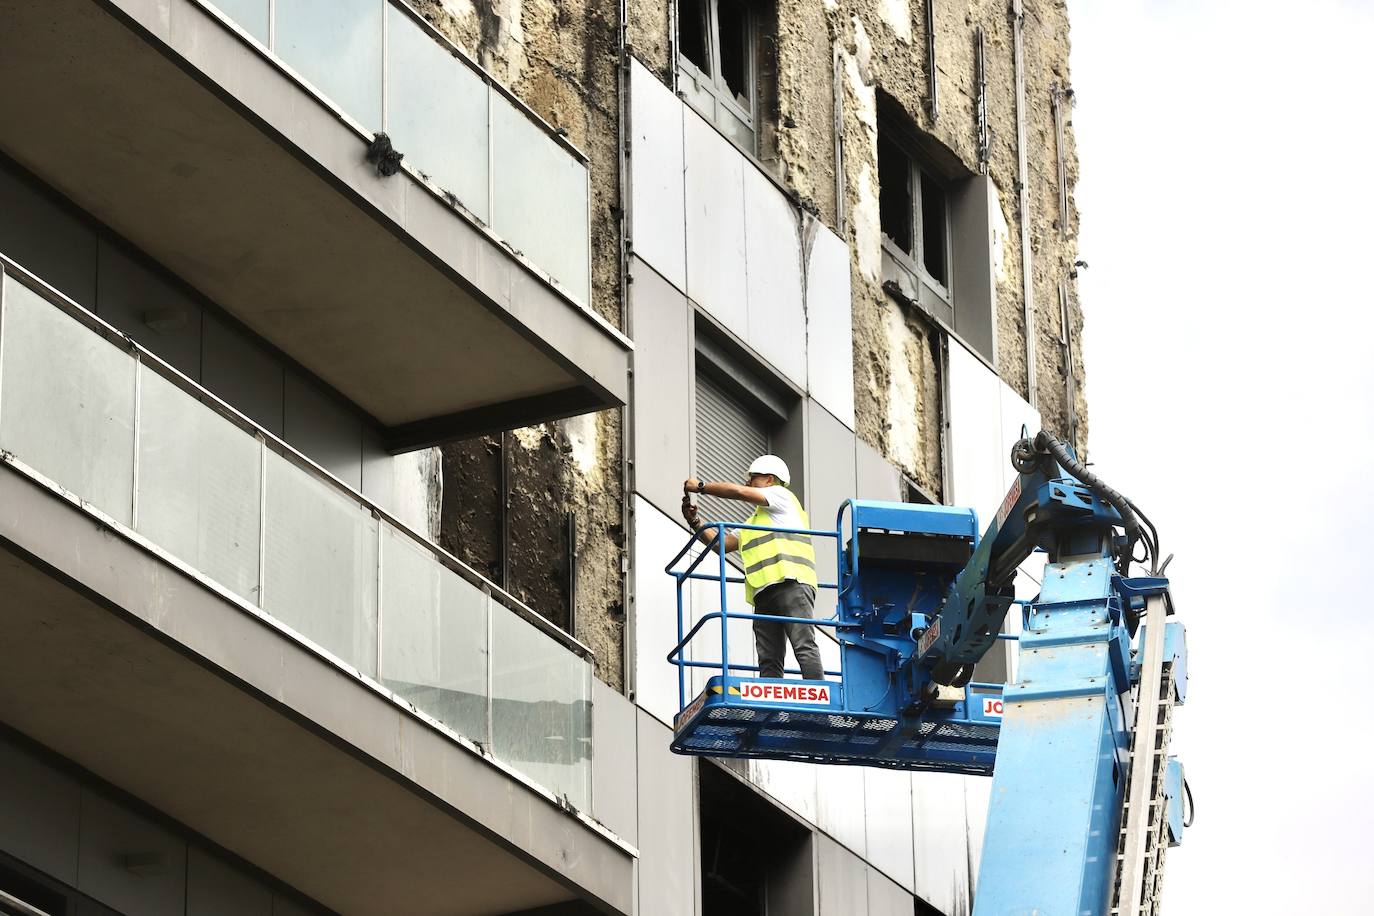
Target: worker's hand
[
  {"x": 689, "y": 512},
  {"x": 690, "y": 485}
]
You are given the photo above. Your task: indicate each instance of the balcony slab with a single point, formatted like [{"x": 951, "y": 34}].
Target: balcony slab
[
  {"x": 166, "y": 124},
  {"x": 128, "y": 664}
]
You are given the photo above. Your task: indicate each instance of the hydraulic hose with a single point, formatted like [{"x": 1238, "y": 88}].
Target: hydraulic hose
[{"x": 1044, "y": 442}]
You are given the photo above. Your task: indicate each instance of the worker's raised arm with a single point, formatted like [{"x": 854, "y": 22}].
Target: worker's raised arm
[
  {"x": 726, "y": 490},
  {"x": 705, "y": 535}
]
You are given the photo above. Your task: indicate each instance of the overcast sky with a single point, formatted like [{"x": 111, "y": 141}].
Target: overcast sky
[{"x": 1226, "y": 193}]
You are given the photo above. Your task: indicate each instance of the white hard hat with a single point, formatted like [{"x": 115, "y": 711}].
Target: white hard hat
[{"x": 771, "y": 464}]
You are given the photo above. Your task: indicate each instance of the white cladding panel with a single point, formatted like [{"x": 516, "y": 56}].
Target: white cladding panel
[
  {"x": 657, "y": 538},
  {"x": 658, "y": 217},
  {"x": 614, "y": 766},
  {"x": 977, "y": 796},
  {"x": 975, "y": 434},
  {"x": 941, "y": 859},
  {"x": 840, "y": 805},
  {"x": 716, "y": 278},
  {"x": 772, "y": 235},
  {"x": 887, "y": 803},
  {"x": 829, "y": 328}
]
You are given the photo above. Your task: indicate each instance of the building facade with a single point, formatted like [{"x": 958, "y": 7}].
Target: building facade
[{"x": 352, "y": 357}]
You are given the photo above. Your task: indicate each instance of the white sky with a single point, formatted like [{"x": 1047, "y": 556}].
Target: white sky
[{"x": 1226, "y": 194}]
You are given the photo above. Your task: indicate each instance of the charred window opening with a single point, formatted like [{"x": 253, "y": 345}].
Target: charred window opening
[
  {"x": 755, "y": 860},
  {"x": 692, "y": 31},
  {"x": 934, "y": 230},
  {"x": 913, "y": 206},
  {"x": 895, "y": 205},
  {"x": 718, "y": 64},
  {"x": 735, "y": 49}
]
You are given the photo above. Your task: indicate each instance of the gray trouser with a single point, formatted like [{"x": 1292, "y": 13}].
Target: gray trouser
[{"x": 786, "y": 599}]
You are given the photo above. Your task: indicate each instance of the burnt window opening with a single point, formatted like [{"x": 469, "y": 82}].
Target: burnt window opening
[
  {"x": 913, "y": 207},
  {"x": 895, "y": 206},
  {"x": 934, "y": 230},
  {"x": 718, "y": 64},
  {"x": 692, "y": 32},
  {"x": 755, "y": 860},
  {"x": 736, "y": 50}
]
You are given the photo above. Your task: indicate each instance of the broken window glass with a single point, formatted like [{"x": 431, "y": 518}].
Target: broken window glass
[
  {"x": 933, "y": 232},
  {"x": 717, "y": 52},
  {"x": 735, "y": 42},
  {"x": 692, "y": 32},
  {"x": 895, "y": 204}
]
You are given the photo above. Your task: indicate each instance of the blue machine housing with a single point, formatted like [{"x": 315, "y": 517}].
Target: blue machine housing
[{"x": 897, "y": 561}]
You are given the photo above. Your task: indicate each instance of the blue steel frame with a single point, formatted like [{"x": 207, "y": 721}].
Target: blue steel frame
[
  {"x": 675, "y": 656},
  {"x": 907, "y": 740}
]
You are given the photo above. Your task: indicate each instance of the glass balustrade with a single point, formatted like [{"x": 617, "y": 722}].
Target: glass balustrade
[
  {"x": 89, "y": 411},
  {"x": 455, "y": 126}
]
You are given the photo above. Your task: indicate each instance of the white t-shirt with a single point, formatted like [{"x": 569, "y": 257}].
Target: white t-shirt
[{"x": 782, "y": 508}]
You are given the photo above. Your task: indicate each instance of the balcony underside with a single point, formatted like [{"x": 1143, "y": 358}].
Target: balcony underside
[
  {"x": 115, "y": 659},
  {"x": 159, "y": 121}
]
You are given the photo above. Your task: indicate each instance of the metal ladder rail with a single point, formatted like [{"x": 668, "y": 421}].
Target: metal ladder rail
[
  {"x": 1140, "y": 848},
  {"x": 1158, "y": 841}
]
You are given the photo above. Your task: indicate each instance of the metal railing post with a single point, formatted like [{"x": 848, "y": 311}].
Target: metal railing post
[{"x": 724, "y": 619}]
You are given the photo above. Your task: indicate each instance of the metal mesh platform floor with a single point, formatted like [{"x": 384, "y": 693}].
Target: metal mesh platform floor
[{"x": 725, "y": 724}]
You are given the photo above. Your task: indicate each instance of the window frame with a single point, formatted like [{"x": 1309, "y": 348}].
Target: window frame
[
  {"x": 713, "y": 83},
  {"x": 914, "y": 262}
]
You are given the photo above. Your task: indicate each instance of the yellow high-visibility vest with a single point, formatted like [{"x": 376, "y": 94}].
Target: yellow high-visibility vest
[{"x": 772, "y": 556}]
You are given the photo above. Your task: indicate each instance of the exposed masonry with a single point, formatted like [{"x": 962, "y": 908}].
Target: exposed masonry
[{"x": 560, "y": 58}]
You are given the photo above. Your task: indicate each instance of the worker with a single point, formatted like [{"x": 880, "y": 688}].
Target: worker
[{"x": 779, "y": 567}]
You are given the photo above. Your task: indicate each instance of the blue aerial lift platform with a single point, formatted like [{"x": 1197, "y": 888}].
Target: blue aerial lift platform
[{"x": 1085, "y": 798}]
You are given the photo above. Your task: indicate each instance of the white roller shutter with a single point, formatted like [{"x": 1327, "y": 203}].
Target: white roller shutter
[{"x": 729, "y": 438}]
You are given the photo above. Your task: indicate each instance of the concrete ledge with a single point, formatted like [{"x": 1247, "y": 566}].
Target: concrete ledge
[{"x": 116, "y": 659}]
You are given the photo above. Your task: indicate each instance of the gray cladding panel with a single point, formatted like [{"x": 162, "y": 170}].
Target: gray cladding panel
[
  {"x": 236, "y": 369},
  {"x": 667, "y": 829},
  {"x": 150, "y": 309},
  {"x": 129, "y": 863},
  {"x": 830, "y": 472},
  {"x": 830, "y": 464},
  {"x": 888, "y": 822},
  {"x": 40, "y": 813},
  {"x": 843, "y": 884},
  {"x": 792, "y": 881},
  {"x": 324, "y": 429},
  {"x": 46, "y": 238},
  {"x": 614, "y": 758},
  {"x": 886, "y": 898},
  {"x": 974, "y": 280},
  {"x": 664, "y": 369},
  {"x": 216, "y": 888},
  {"x": 877, "y": 479}
]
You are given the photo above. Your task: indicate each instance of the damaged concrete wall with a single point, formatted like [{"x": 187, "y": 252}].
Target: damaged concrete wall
[
  {"x": 882, "y": 48},
  {"x": 559, "y": 57}
]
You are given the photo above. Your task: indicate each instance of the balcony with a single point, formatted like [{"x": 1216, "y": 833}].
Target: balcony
[
  {"x": 449, "y": 299},
  {"x": 272, "y": 606}
]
